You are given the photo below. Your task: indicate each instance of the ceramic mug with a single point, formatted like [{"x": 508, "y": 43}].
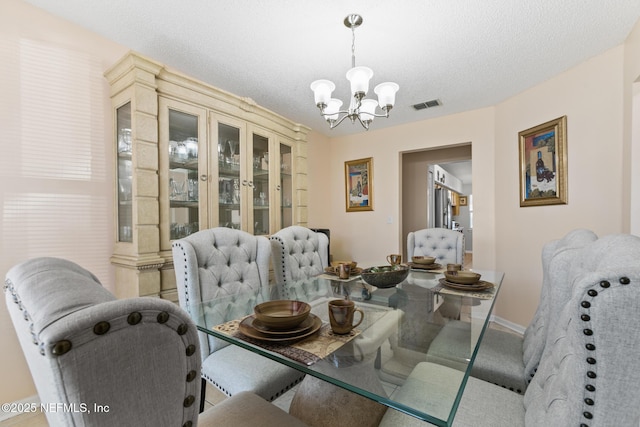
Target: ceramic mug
[
  {"x": 394, "y": 259},
  {"x": 343, "y": 271},
  {"x": 341, "y": 314}
]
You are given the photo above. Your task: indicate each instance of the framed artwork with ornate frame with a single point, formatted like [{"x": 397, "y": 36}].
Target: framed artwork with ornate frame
[
  {"x": 543, "y": 164},
  {"x": 358, "y": 178}
]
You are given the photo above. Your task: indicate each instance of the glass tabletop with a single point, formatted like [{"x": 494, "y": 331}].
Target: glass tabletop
[{"x": 420, "y": 321}]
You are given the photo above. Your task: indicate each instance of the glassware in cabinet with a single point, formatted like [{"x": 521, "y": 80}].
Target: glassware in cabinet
[
  {"x": 286, "y": 186},
  {"x": 259, "y": 184},
  {"x": 229, "y": 150},
  {"x": 183, "y": 178},
  {"x": 124, "y": 173}
]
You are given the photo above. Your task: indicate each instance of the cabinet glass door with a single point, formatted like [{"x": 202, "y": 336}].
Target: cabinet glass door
[
  {"x": 183, "y": 174},
  {"x": 286, "y": 186},
  {"x": 229, "y": 194},
  {"x": 259, "y": 185},
  {"x": 125, "y": 183}
]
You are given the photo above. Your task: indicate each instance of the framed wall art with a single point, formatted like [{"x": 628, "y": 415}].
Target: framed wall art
[
  {"x": 358, "y": 177},
  {"x": 543, "y": 164},
  {"x": 463, "y": 201}
]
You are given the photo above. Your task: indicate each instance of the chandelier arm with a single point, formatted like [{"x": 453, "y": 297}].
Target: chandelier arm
[
  {"x": 337, "y": 122},
  {"x": 364, "y": 125},
  {"x": 323, "y": 114}
]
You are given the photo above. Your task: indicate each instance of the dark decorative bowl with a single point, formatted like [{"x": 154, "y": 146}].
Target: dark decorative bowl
[
  {"x": 385, "y": 276},
  {"x": 282, "y": 315}
]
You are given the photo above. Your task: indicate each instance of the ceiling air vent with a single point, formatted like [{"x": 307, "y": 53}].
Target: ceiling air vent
[{"x": 427, "y": 104}]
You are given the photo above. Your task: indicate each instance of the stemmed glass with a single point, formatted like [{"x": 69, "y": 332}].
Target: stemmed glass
[{"x": 233, "y": 145}]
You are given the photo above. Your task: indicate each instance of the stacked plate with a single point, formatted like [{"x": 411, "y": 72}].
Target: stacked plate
[
  {"x": 281, "y": 321},
  {"x": 464, "y": 281},
  {"x": 254, "y": 328},
  {"x": 424, "y": 263}
]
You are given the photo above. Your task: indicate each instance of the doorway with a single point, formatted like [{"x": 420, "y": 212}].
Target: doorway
[{"x": 415, "y": 204}]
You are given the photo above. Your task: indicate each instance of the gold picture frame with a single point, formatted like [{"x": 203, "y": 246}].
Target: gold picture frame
[
  {"x": 358, "y": 179},
  {"x": 543, "y": 164},
  {"x": 463, "y": 201}
]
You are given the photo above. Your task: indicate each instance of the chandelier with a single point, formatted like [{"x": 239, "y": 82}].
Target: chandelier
[{"x": 361, "y": 109}]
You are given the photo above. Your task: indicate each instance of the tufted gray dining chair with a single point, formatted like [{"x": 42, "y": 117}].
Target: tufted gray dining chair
[
  {"x": 297, "y": 253},
  {"x": 508, "y": 359},
  {"x": 223, "y": 263},
  {"x": 589, "y": 372},
  {"x": 447, "y": 246},
  {"x": 99, "y": 361}
]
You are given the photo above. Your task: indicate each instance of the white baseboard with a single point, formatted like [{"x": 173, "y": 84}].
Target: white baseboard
[
  {"x": 28, "y": 401},
  {"x": 507, "y": 324}
]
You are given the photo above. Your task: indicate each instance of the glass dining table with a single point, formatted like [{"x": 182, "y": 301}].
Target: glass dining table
[{"x": 377, "y": 358}]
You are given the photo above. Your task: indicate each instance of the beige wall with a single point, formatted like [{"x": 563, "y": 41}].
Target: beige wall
[
  {"x": 590, "y": 95},
  {"x": 631, "y": 149},
  {"x": 52, "y": 206},
  {"x": 368, "y": 237}
]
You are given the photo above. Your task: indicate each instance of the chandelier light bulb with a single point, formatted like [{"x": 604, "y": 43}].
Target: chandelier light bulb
[
  {"x": 368, "y": 109},
  {"x": 386, "y": 94},
  {"x": 359, "y": 78},
  {"x": 322, "y": 91},
  {"x": 332, "y": 109}
]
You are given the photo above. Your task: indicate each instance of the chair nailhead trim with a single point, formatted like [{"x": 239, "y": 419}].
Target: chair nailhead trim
[
  {"x": 585, "y": 304},
  {"x": 61, "y": 347},
  {"x": 188, "y": 401},
  {"x": 587, "y": 415},
  {"x": 134, "y": 318},
  {"x": 191, "y": 349},
  {"x": 188, "y": 424},
  {"x": 605, "y": 284},
  {"x": 625, "y": 280},
  {"x": 101, "y": 328},
  {"x": 163, "y": 317},
  {"x": 191, "y": 376}
]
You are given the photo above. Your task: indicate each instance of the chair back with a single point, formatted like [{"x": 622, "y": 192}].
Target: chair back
[
  {"x": 220, "y": 263},
  {"x": 297, "y": 253},
  {"x": 589, "y": 371},
  {"x": 99, "y": 361},
  {"x": 447, "y": 246},
  {"x": 557, "y": 258}
]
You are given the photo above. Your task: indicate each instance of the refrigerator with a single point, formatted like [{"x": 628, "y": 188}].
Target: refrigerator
[{"x": 442, "y": 208}]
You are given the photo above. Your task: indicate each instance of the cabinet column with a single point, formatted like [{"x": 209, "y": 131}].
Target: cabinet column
[{"x": 137, "y": 261}]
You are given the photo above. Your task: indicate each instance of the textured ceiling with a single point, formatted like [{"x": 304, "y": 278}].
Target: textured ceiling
[{"x": 468, "y": 54}]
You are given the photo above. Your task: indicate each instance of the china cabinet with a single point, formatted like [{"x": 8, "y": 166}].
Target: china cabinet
[{"x": 190, "y": 156}]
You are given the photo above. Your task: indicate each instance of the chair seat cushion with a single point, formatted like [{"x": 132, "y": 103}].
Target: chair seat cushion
[
  {"x": 247, "y": 410},
  {"x": 233, "y": 369},
  {"x": 499, "y": 359},
  {"x": 482, "y": 403}
]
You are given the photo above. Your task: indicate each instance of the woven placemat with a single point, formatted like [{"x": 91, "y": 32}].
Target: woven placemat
[
  {"x": 486, "y": 294},
  {"x": 308, "y": 351}
]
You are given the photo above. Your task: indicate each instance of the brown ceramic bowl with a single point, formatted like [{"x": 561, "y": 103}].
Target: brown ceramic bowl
[
  {"x": 462, "y": 277},
  {"x": 281, "y": 315},
  {"x": 426, "y": 260}
]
